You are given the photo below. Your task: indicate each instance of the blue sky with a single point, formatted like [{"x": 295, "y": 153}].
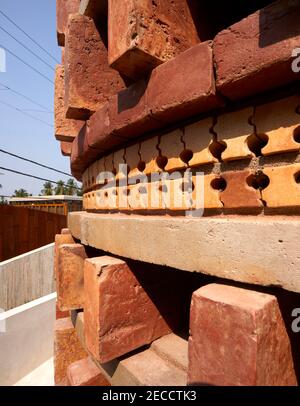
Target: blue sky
[{"x": 20, "y": 134}]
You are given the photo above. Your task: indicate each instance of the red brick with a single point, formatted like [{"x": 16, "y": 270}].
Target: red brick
[
  {"x": 69, "y": 282},
  {"x": 59, "y": 240},
  {"x": 119, "y": 315},
  {"x": 255, "y": 54},
  {"x": 238, "y": 193},
  {"x": 89, "y": 80},
  {"x": 82, "y": 155},
  {"x": 67, "y": 349},
  {"x": 85, "y": 373},
  {"x": 144, "y": 34},
  {"x": 99, "y": 134},
  {"x": 238, "y": 337},
  {"x": 61, "y": 314},
  {"x": 65, "y": 129},
  {"x": 184, "y": 86},
  {"x": 129, "y": 112},
  {"x": 66, "y": 148},
  {"x": 63, "y": 9},
  {"x": 177, "y": 89}
]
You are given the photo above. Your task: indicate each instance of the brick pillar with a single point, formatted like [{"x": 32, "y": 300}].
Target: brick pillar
[
  {"x": 69, "y": 280},
  {"x": 67, "y": 349},
  {"x": 238, "y": 337}
]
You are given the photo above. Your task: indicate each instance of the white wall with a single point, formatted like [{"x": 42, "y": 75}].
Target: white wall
[
  {"x": 27, "y": 277},
  {"x": 26, "y": 338}
]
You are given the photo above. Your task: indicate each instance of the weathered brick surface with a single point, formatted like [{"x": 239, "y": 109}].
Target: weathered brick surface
[
  {"x": 69, "y": 282},
  {"x": 61, "y": 314},
  {"x": 280, "y": 122},
  {"x": 67, "y": 349},
  {"x": 238, "y": 337},
  {"x": 284, "y": 187},
  {"x": 85, "y": 373},
  {"x": 238, "y": 193},
  {"x": 59, "y": 240},
  {"x": 119, "y": 315},
  {"x": 129, "y": 111},
  {"x": 233, "y": 129},
  {"x": 63, "y": 9},
  {"x": 255, "y": 54},
  {"x": 89, "y": 80},
  {"x": 66, "y": 148},
  {"x": 177, "y": 89},
  {"x": 184, "y": 86},
  {"x": 65, "y": 129},
  {"x": 144, "y": 34}
]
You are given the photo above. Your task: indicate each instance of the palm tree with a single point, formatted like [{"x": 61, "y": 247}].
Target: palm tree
[
  {"x": 48, "y": 189},
  {"x": 71, "y": 188},
  {"x": 60, "y": 188},
  {"x": 20, "y": 193}
]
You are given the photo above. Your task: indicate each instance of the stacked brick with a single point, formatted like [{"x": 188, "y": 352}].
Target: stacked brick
[{"x": 148, "y": 91}]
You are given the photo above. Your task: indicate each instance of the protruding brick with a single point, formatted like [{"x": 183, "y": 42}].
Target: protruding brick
[
  {"x": 89, "y": 80},
  {"x": 69, "y": 282},
  {"x": 61, "y": 314},
  {"x": 119, "y": 315},
  {"x": 255, "y": 54},
  {"x": 280, "y": 123},
  {"x": 233, "y": 130},
  {"x": 66, "y": 148},
  {"x": 59, "y": 240},
  {"x": 184, "y": 86},
  {"x": 144, "y": 34},
  {"x": 65, "y": 129},
  {"x": 238, "y": 193},
  {"x": 284, "y": 187},
  {"x": 238, "y": 337},
  {"x": 85, "y": 373},
  {"x": 63, "y": 9},
  {"x": 67, "y": 349}
]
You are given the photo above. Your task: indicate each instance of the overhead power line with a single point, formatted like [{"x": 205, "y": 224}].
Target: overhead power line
[
  {"x": 28, "y": 36},
  {"x": 36, "y": 177},
  {"x": 26, "y": 114},
  {"x": 25, "y": 97},
  {"x": 27, "y": 64},
  {"x": 27, "y": 49},
  {"x": 35, "y": 163}
]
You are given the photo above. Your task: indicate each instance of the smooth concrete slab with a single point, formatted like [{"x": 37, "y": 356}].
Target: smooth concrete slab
[
  {"x": 41, "y": 376},
  {"x": 26, "y": 338},
  {"x": 258, "y": 250}
]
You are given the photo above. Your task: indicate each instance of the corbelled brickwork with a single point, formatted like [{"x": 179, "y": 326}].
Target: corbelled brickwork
[{"x": 185, "y": 131}]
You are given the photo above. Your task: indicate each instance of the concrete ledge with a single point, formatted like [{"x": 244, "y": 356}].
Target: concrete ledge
[
  {"x": 26, "y": 338},
  {"x": 257, "y": 250},
  {"x": 27, "y": 277}
]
